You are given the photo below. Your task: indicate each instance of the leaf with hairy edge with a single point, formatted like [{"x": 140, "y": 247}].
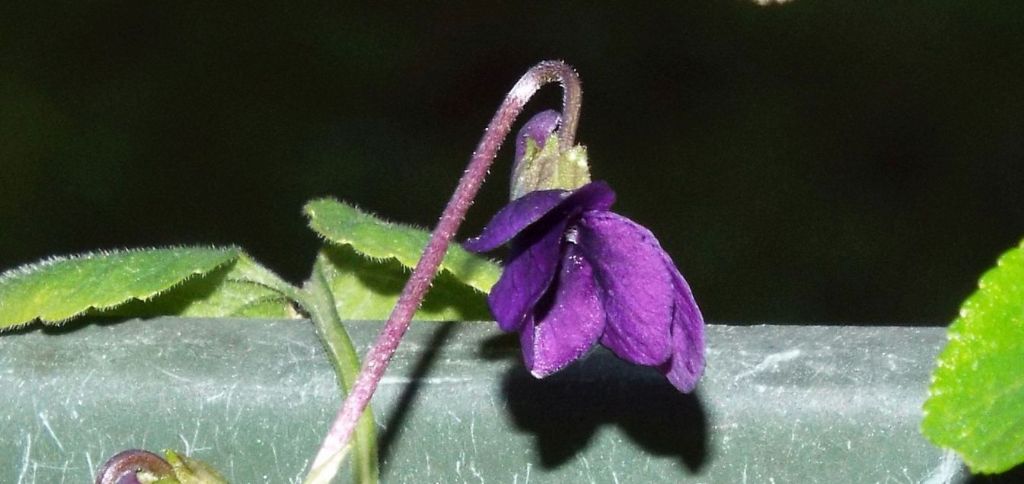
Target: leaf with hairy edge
[
  {"x": 341, "y": 223},
  {"x": 59, "y": 289},
  {"x": 976, "y": 400},
  {"x": 241, "y": 288},
  {"x": 366, "y": 289}
]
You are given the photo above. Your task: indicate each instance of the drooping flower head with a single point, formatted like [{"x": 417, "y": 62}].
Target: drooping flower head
[{"x": 578, "y": 274}]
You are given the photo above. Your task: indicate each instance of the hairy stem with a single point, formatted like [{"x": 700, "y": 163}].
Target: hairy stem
[{"x": 377, "y": 359}]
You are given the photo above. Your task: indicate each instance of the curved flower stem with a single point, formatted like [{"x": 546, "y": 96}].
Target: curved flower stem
[{"x": 377, "y": 359}]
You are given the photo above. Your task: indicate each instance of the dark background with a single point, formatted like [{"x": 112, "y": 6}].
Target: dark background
[{"x": 855, "y": 162}]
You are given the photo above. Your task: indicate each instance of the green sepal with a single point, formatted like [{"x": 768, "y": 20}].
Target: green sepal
[
  {"x": 549, "y": 168},
  {"x": 192, "y": 471}
]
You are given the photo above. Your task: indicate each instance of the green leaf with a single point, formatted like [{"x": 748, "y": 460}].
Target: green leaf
[
  {"x": 59, "y": 289},
  {"x": 241, "y": 288},
  {"x": 344, "y": 224},
  {"x": 976, "y": 400},
  {"x": 367, "y": 289}
]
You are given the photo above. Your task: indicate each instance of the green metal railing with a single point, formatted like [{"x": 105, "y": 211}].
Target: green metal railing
[{"x": 252, "y": 397}]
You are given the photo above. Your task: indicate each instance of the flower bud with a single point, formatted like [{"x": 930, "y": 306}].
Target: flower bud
[{"x": 133, "y": 467}]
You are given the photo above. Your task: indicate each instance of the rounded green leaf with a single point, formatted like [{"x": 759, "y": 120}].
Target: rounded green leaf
[
  {"x": 366, "y": 289},
  {"x": 241, "y": 288},
  {"x": 375, "y": 238},
  {"x": 58, "y": 289},
  {"x": 976, "y": 400}
]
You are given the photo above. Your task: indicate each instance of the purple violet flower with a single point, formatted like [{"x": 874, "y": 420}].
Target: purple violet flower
[{"x": 579, "y": 274}]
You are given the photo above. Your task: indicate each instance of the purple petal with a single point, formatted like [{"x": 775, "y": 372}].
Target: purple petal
[
  {"x": 533, "y": 206},
  {"x": 538, "y": 128},
  {"x": 527, "y": 274},
  {"x": 596, "y": 195},
  {"x": 534, "y": 258},
  {"x": 570, "y": 325},
  {"x": 637, "y": 290},
  {"x": 687, "y": 361},
  {"x": 514, "y": 217}
]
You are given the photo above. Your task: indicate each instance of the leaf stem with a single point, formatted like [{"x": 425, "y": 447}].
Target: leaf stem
[
  {"x": 376, "y": 361},
  {"x": 318, "y": 301}
]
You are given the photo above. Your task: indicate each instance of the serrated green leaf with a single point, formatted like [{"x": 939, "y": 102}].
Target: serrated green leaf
[
  {"x": 367, "y": 289},
  {"x": 976, "y": 400},
  {"x": 58, "y": 289},
  {"x": 342, "y": 223},
  {"x": 241, "y": 288}
]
